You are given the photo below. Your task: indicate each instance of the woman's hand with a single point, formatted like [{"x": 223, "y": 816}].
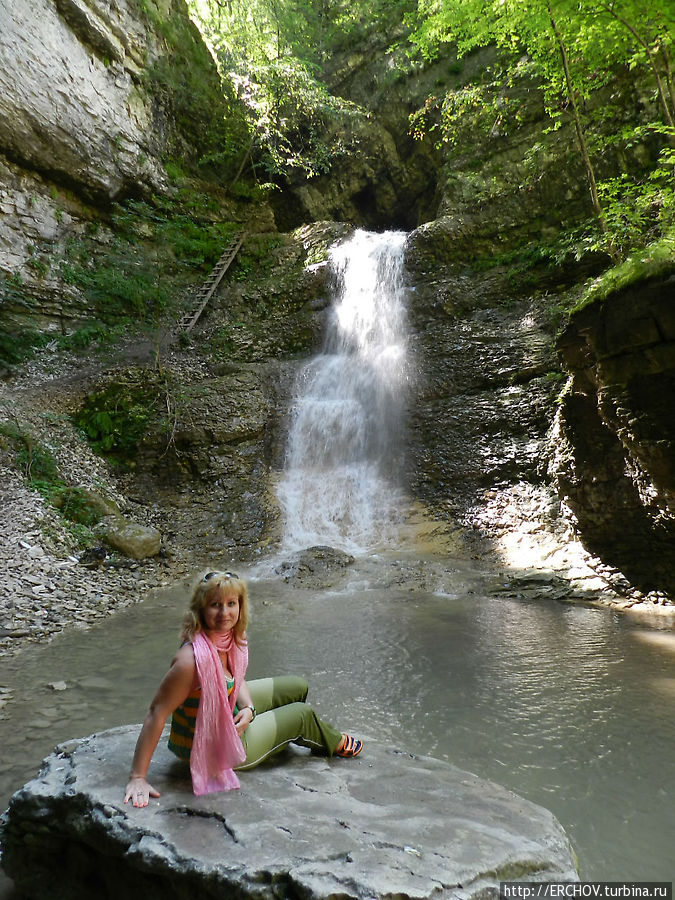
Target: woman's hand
[
  {"x": 243, "y": 719},
  {"x": 139, "y": 791},
  {"x": 175, "y": 687}
]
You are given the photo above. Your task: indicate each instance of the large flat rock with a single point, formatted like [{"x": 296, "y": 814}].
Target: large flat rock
[{"x": 384, "y": 825}]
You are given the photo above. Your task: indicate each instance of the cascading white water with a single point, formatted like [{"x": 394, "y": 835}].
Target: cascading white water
[{"x": 340, "y": 484}]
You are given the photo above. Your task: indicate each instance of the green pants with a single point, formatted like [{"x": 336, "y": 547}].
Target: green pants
[{"x": 282, "y": 718}]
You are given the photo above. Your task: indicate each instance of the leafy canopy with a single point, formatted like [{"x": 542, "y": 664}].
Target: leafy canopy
[
  {"x": 575, "y": 49},
  {"x": 271, "y": 52}
]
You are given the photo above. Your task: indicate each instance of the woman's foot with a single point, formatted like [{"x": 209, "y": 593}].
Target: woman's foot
[{"x": 349, "y": 747}]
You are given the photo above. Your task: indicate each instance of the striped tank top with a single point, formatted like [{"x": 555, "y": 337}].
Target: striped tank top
[{"x": 183, "y": 723}]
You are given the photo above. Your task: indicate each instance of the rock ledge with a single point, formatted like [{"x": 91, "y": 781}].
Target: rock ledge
[{"x": 384, "y": 825}]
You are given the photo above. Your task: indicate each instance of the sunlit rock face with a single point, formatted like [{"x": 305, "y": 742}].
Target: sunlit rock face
[
  {"x": 81, "y": 126},
  {"x": 616, "y": 461},
  {"x": 70, "y": 104},
  {"x": 386, "y": 824},
  {"x": 486, "y": 385}
]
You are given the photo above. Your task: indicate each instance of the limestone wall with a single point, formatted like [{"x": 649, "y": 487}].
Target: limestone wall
[
  {"x": 70, "y": 103},
  {"x": 80, "y": 127}
]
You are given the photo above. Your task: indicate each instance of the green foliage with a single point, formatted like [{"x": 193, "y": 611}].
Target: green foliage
[
  {"x": 654, "y": 261},
  {"x": 37, "y": 463},
  {"x": 457, "y": 117},
  {"x": 116, "y": 289},
  {"x": 18, "y": 345},
  {"x": 75, "y": 504},
  {"x": 158, "y": 252},
  {"x": 93, "y": 333},
  {"x": 116, "y": 418},
  {"x": 205, "y": 108},
  {"x": 574, "y": 49},
  {"x": 39, "y": 265},
  {"x": 255, "y": 256},
  {"x": 638, "y": 207},
  {"x": 299, "y": 125},
  {"x": 270, "y": 52},
  {"x": 13, "y": 291},
  {"x": 40, "y": 472},
  {"x": 257, "y": 31}
]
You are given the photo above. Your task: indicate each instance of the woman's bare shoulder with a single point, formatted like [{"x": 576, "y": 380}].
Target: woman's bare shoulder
[{"x": 184, "y": 660}]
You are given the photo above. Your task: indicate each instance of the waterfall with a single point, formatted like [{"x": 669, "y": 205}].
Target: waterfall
[{"x": 340, "y": 485}]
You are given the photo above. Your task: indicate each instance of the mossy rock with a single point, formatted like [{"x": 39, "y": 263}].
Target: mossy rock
[{"x": 82, "y": 505}]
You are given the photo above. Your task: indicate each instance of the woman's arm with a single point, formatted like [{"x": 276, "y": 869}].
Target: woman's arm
[
  {"x": 175, "y": 687},
  {"x": 245, "y": 715}
]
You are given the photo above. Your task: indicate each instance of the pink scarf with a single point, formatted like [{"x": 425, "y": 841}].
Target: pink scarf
[{"x": 216, "y": 747}]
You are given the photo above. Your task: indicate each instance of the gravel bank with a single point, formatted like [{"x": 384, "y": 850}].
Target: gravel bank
[
  {"x": 48, "y": 582},
  {"x": 45, "y": 588}
]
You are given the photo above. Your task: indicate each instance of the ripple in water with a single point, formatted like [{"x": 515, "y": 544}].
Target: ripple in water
[{"x": 341, "y": 480}]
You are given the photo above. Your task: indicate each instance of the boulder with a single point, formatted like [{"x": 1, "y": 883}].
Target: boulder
[
  {"x": 83, "y": 505},
  {"x": 386, "y": 824},
  {"x": 130, "y": 538},
  {"x": 314, "y": 567}
]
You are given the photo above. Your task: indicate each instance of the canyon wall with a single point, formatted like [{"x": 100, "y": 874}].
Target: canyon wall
[
  {"x": 615, "y": 448},
  {"x": 88, "y": 117}
]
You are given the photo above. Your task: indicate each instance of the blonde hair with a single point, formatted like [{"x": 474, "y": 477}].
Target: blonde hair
[{"x": 209, "y": 587}]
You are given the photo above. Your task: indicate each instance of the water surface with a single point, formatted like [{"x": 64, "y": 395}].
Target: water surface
[{"x": 569, "y": 706}]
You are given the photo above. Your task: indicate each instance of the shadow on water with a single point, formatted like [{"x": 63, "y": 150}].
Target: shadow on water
[{"x": 569, "y": 706}]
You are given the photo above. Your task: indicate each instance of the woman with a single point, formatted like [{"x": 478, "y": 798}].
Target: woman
[{"x": 219, "y": 721}]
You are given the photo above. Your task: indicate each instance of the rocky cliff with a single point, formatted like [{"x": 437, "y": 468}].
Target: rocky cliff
[
  {"x": 93, "y": 107},
  {"x": 615, "y": 464},
  {"x": 72, "y": 108}
]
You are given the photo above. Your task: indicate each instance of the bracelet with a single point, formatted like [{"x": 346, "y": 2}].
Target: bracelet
[{"x": 252, "y": 708}]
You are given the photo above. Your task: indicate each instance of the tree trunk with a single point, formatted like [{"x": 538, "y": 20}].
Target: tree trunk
[
  {"x": 581, "y": 139},
  {"x": 652, "y": 62},
  {"x": 665, "y": 56},
  {"x": 246, "y": 158}
]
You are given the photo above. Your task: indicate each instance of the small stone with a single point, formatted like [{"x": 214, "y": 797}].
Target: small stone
[{"x": 58, "y": 685}]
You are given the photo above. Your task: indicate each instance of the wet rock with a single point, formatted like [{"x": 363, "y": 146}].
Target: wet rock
[
  {"x": 387, "y": 824},
  {"x": 315, "y": 567},
  {"x": 130, "y": 538}
]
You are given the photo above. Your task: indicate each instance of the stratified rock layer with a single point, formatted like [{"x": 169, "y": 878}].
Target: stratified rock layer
[
  {"x": 616, "y": 449},
  {"x": 386, "y": 824},
  {"x": 69, "y": 105}
]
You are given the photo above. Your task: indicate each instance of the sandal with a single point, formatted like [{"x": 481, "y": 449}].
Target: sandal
[{"x": 349, "y": 747}]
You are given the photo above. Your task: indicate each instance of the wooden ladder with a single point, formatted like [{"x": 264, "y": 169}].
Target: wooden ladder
[{"x": 208, "y": 289}]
